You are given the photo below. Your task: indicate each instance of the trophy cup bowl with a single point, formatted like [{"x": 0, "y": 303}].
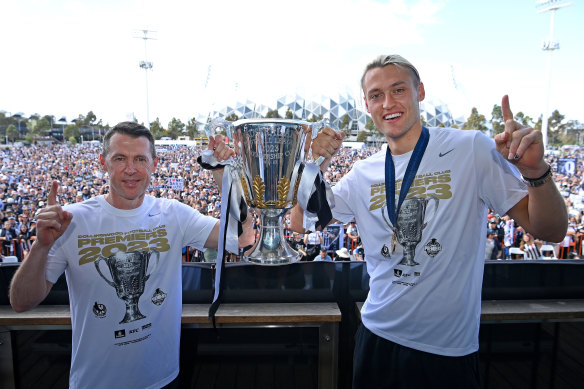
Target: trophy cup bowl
[
  {"x": 269, "y": 154},
  {"x": 128, "y": 278}
]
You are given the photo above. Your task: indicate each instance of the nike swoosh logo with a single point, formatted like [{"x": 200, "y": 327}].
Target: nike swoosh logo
[
  {"x": 153, "y": 214},
  {"x": 443, "y": 154}
]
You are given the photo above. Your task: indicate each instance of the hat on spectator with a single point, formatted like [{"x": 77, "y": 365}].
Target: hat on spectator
[
  {"x": 41, "y": 203},
  {"x": 343, "y": 253}
]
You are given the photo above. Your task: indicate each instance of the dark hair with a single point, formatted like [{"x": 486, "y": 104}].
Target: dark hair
[{"x": 132, "y": 129}]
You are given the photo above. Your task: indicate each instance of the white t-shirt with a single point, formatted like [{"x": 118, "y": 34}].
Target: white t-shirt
[
  {"x": 126, "y": 310},
  {"x": 430, "y": 301}
]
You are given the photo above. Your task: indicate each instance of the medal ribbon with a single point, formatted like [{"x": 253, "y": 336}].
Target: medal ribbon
[{"x": 409, "y": 175}]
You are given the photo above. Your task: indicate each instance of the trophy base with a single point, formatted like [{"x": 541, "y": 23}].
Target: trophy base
[
  {"x": 280, "y": 260},
  {"x": 271, "y": 248}
]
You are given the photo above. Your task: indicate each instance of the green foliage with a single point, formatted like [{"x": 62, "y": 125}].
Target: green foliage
[
  {"x": 524, "y": 119},
  {"x": 289, "y": 114},
  {"x": 497, "y": 119},
  {"x": 475, "y": 121},
  {"x": 370, "y": 126},
  {"x": 73, "y": 140},
  {"x": 273, "y": 114},
  {"x": 192, "y": 128},
  {"x": 71, "y": 131},
  {"x": 362, "y": 136},
  {"x": 232, "y": 118},
  {"x": 345, "y": 123},
  {"x": 12, "y": 133},
  {"x": 175, "y": 129},
  {"x": 156, "y": 129}
]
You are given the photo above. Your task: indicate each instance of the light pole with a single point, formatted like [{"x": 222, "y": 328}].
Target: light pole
[
  {"x": 146, "y": 65},
  {"x": 550, "y": 46}
]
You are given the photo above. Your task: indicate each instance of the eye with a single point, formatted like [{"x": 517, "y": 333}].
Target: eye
[{"x": 399, "y": 91}]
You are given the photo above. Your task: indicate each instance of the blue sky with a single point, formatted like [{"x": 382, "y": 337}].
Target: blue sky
[{"x": 68, "y": 57}]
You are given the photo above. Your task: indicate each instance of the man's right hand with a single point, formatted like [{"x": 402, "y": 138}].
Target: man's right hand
[{"x": 53, "y": 220}]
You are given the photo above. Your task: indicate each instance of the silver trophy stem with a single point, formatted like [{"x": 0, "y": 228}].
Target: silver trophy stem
[{"x": 271, "y": 248}]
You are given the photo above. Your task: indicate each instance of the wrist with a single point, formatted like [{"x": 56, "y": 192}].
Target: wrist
[
  {"x": 534, "y": 173},
  {"x": 533, "y": 182}
]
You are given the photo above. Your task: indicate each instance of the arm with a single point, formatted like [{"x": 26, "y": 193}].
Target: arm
[
  {"x": 326, "y": 144},
  {"x": 543, "y": 211},
  {"x": 29, "y": 285}
]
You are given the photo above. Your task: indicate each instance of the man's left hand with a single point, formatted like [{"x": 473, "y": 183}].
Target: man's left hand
[{"x": 521, "y": 145}]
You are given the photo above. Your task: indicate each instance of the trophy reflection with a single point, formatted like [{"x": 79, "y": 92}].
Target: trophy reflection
[
  {"x": 411, "y": 221},
  {"x": 128, "y": 278}
]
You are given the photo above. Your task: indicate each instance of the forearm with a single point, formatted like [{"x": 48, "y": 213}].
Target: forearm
[
  {"x": 542, "y": 213},
  {"x": 29, "y": 285},
  {"x": 218, "y": 177}
]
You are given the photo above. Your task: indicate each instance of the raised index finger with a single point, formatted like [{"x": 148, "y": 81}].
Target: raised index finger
[
  {"x": 52, "y": 198},
  {"x": 507, "y": 114}
]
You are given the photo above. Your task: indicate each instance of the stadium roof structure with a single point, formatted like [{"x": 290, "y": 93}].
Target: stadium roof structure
[{"x": 333, "y": 108}]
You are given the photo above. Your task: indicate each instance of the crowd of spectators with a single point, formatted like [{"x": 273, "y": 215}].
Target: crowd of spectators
[{"x": 27, "y": 172}]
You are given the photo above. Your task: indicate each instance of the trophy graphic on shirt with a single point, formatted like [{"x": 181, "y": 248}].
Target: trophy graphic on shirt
[
  {"x": 270, "y": 155},
  {"x": 128, "y": 278},
  {"x": 411, "y": 221}
]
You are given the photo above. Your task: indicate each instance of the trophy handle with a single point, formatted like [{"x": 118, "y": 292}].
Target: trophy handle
[
  {"x": 316, "y": 128},
  {"x": 211, "y": 128},
  {"x": 96, "y": 263},
  {"x": 437, "y": 200},
  {"x": 155, "y": 265}
]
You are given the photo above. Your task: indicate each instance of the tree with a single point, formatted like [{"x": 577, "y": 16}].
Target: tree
[
  {"x": 192, "y": 128},
  {"x": 289, "y": 114},
  {"x": 556, "y": 128},
  {"x": 273, "y": 114},
  {"x": 497, "y": 119},
  {"x": 232, "y": 118},
  {"x": 12, "y": 132},
  {"x": 362, "y": 136},
  {"x": 370, "y": 126},
  {"x": 345, "y": 124},
  {"x": 475, "y": 121},
  {"x": 524, "y": 119},
  {"x": 156, "y": 129},
  {"x": 175, "y": 128},
  {"x": 71, "y": 131}
]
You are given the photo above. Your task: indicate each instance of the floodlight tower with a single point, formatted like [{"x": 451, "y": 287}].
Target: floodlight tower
[
  {"x": 146, "y": 65},
  {"x": 550, "y": 46}
]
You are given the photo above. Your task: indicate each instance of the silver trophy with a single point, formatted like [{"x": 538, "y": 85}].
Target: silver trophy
[
  {"x": 411, "y": 221},
  {"x": 128, "y": 273},
  {"x": 269, "y": 153}
]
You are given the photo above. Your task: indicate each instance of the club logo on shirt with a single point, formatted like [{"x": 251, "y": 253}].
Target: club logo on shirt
[
  {"x": 385, "y": 251},
  {"x": 99, "y": 310},
  {"x": 158, "y": 297},
  {"x": 433, "y": 247},
  {"x": 120, "y": 334}
]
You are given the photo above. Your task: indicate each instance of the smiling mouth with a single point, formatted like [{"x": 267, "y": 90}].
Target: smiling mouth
[{"x": 392, "y": 116}]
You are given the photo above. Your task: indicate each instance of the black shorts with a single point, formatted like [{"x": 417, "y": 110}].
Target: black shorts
[{"x": 379, "y": 363}]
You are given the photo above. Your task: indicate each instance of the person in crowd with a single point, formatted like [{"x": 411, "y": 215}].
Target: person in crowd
[
  {"x": 323, "y": 256},
  {"x": 343, "y": 254},
  {"x": 420, "y": 321},
  {"x": 313, "y": 242},
  {"x": 126, "y": 312},
  {"x": 7, "y": 235},
  {"x": 352, "y": 235},
  {"x": 530, "y": 247},
  {"x": 25, "y": 240},
  {"x": 359, "y": 253},
  {"x": 298, "y": 244},
  {"x": 493, "y": 246}
]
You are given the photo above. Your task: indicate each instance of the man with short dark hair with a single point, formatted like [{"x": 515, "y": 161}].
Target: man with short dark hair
[{"x": 121, "y": 253}]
